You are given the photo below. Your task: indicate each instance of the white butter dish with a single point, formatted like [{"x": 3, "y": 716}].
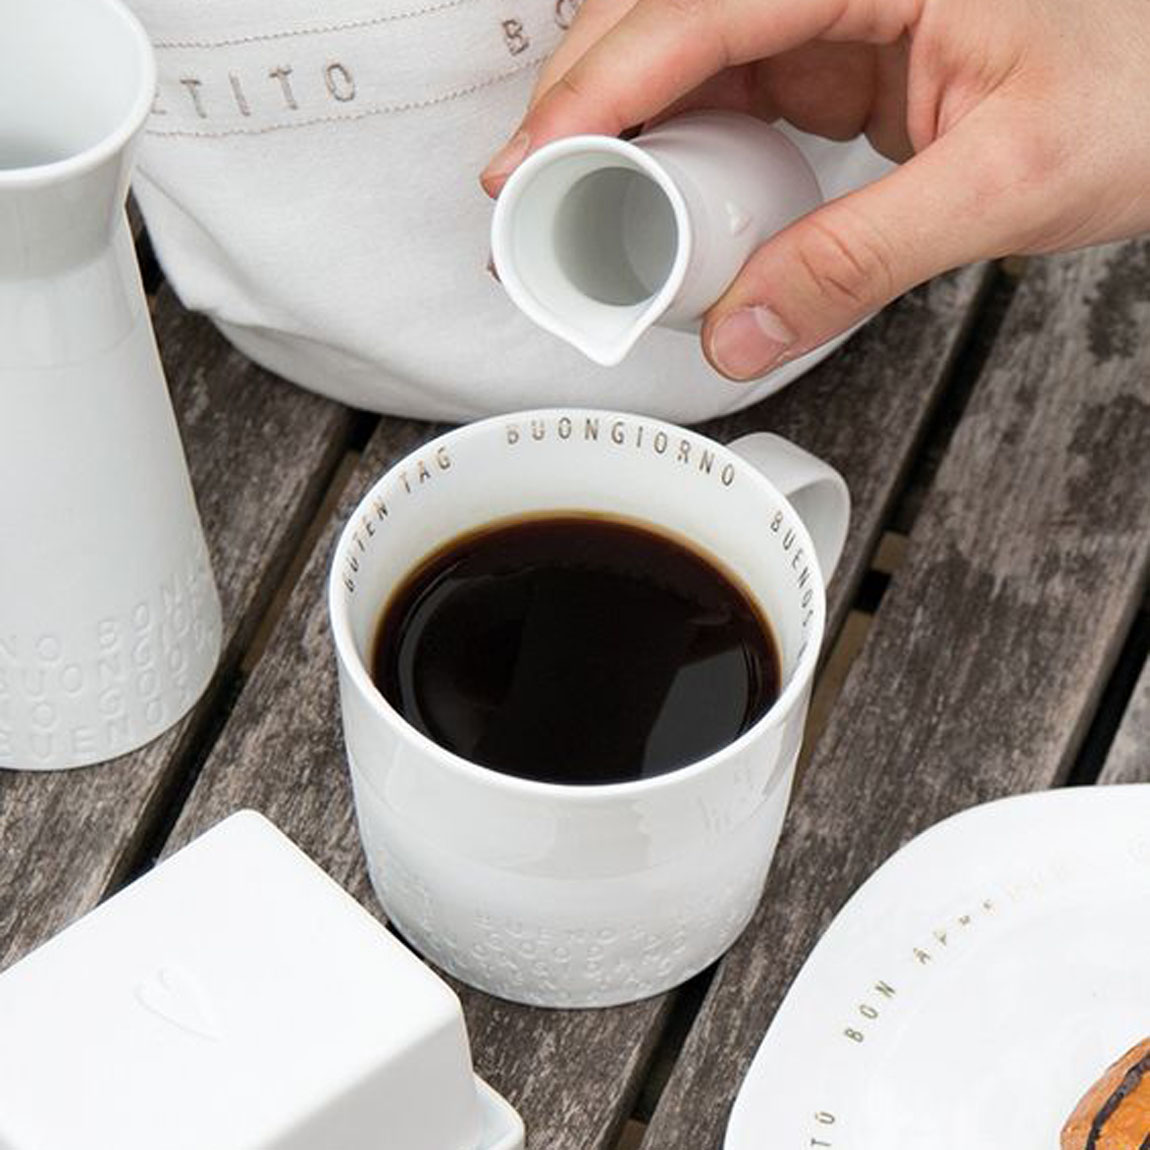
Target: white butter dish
[{"x": 236, "y": 998}]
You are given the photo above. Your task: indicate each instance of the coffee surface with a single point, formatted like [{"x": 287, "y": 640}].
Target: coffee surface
[{"x": 575, "y": 649}]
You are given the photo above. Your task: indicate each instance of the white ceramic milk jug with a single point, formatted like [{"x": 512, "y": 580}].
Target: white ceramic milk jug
[
  {"x": 109, "y": 617},
  {"x": 596, "y": 239}
]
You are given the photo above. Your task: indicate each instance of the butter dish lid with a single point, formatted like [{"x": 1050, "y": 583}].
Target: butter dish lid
[
  {"x": 502, "y": 1126},
  {"x": 236, "y": 997}
]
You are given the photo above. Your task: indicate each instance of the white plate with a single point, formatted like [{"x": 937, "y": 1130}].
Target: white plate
[{"x": 971, "y": 990}]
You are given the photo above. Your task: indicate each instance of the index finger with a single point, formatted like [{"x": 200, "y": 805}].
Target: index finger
[
  {"x": 592, "y": 22},
  {"x": 661, "y": 50}
]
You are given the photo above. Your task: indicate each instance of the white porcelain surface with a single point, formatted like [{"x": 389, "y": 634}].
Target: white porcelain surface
[
  {"x": 972, "y": 989},
  {"x": 109, "y": 618},
  {"x": 596, "y": 239},
  {"x": 236, "y": 998},
  {"x": 566, "y": 895}
]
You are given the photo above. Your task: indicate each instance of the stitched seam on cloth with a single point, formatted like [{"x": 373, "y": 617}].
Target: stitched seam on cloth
[
  {"x": 351, "y": 25},
  {"x": 382, "y": 110}
]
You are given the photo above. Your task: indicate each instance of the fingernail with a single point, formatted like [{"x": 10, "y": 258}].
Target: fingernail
[
  {"x": 507, "y": 159},
  {"x": 749, "y": 342}
]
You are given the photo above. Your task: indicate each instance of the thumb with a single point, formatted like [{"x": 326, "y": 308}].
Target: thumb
[{"x": 947, "y": 206}]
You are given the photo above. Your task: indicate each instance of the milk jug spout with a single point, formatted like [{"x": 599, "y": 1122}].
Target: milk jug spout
[{"x": 596, "y": 239}]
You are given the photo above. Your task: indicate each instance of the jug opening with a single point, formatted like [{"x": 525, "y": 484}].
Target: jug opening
[
  {"x": 615, "y": 236},
  {"x": 74, "y": 75},
  {"x": 592, "y": 242}
]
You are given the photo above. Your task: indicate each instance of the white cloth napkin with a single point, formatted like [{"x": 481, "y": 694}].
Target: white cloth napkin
[{"x": 309, "y": 179}]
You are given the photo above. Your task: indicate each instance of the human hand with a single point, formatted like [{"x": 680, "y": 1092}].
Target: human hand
[{"x": 1024, "y": 126}]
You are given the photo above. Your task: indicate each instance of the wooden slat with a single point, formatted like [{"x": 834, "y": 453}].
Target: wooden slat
[
  {"x": 258, "y": 452},
  {"x": 572, "y": 1074},
  {"x": 1128, "y": 760},
  {"x": 988, "y": 651}
]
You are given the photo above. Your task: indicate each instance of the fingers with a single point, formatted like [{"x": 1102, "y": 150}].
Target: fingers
[
  {"x": 832, "y": 90},
  {"x": 948, "y": 206},
  {"x": 657, "y": 52},
  {"x": 593, "y": 21},
  {"x": 887, "y": 127},
  {"x": 824, "y": 88},
  {"x": 732, "y": 90}
]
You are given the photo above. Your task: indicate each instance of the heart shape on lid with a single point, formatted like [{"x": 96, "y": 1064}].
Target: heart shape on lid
[{"x": 174, "y": 994}]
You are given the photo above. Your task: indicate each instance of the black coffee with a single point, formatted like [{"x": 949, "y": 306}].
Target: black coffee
[{"x": 575, "y": 650}]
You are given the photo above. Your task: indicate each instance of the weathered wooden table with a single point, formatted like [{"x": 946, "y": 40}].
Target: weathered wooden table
[{"x": 988, "y": 634}]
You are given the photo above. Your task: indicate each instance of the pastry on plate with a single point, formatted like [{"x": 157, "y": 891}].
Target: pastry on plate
[{"x": 1114, "y": 1114}]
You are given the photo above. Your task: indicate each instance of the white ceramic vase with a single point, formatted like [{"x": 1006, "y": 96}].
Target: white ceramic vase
[
  {"x": 596, "y": 239},
  {"x": 109, "y": 617}
]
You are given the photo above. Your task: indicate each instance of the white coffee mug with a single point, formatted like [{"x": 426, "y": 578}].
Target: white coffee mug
[{"x": 565, "y": 895}]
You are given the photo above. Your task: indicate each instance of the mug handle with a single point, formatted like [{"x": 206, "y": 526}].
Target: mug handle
[{"x": 815, "y": 489}]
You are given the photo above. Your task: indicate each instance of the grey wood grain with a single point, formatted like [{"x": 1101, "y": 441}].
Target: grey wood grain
[
  {"x": 572, "y": 1074},
  {"x": 259, "y": 453},
  {"x": 988, "y": 652},
  {"x": 1128, "y": 760}
]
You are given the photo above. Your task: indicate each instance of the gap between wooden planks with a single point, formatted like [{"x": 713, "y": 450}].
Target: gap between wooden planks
[{"x": 1129, "y": 758}]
